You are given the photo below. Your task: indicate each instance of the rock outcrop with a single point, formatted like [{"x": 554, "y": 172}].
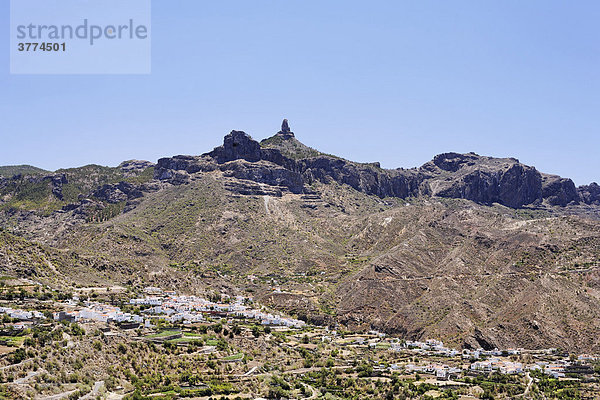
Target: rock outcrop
[
  {"x": 264, "y": 172},
  {"x": 237, "y": 146},
  {"x": 484, "y": 180},
  {"x": 366, "y": 178},
  {"x": 117, "y": 193},
  {"x": 133, "y": 167},
  {"x": 57, "y": 181},
  {"x": 285, "y": 132},
  {"x": 558, "y": 191},
  {"x": 590, "y": 194}
]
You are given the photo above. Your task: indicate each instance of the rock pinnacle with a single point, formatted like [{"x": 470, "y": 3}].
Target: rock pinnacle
[{"x": 285, "y": 131}]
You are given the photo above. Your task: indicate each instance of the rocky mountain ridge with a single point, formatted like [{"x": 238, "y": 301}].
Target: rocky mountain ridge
[
  {"x": 287, "y": 165},
  {"x": 485, "y": 180}
]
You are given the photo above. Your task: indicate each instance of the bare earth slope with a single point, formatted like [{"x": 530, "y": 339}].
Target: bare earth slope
[{"x": 478, "y": 278}]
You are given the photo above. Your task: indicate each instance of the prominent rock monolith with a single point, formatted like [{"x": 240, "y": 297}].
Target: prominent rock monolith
[{"x": 285, "y": 131}]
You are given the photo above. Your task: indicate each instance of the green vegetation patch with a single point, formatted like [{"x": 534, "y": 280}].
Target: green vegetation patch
[
  {"x": 234, "y": 357},
  {"x": 13, "y": 341},
  {"x": 290, "y": 147},
  {"x": 163, "y": 334},
  {"x": 9, "y": 171}
]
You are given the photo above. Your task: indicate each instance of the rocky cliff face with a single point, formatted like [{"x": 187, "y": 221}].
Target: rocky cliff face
[
  {"x": 484, "y": 180},
  {"x": 590, "y": 194},
  {"x": 270, "y": 166},
  {"x": 559, "y": 191}
]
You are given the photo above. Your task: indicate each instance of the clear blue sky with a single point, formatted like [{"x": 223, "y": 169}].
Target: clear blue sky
[{"x": 389, "y": 81}]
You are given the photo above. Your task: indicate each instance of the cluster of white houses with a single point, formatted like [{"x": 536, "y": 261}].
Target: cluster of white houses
[
  {"x": 556, "y": 369},
  {"x": 430, "y": 346},
  {"x": 190, "y": 309},
  {"x": 97, "y": 312},
  {"x": 158, "y": 304},
  {"x": 171, "y": 307},
  {"x": 436, "y": 347},
  {"x": 441, "y": 371},
  {"x": 22, "y": 315},
  {"x": 485, "y": 361},
  {"x": 496, "y": 364},
  {"x": 26, "y": 318},
  {"x": 270, "y": 319}
]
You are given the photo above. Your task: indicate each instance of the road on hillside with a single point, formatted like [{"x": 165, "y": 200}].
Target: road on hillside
[{"x": 95, "y": 391}]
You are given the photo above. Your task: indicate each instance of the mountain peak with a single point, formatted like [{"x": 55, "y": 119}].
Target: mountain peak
[
  {"x": 285, "y": 132},
  {"x": 285, "y": 141}
]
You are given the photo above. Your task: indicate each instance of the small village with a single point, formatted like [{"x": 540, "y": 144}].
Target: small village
[
  {"x": 170, "y": 307},
  {"x": 237, "y": 333}
]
